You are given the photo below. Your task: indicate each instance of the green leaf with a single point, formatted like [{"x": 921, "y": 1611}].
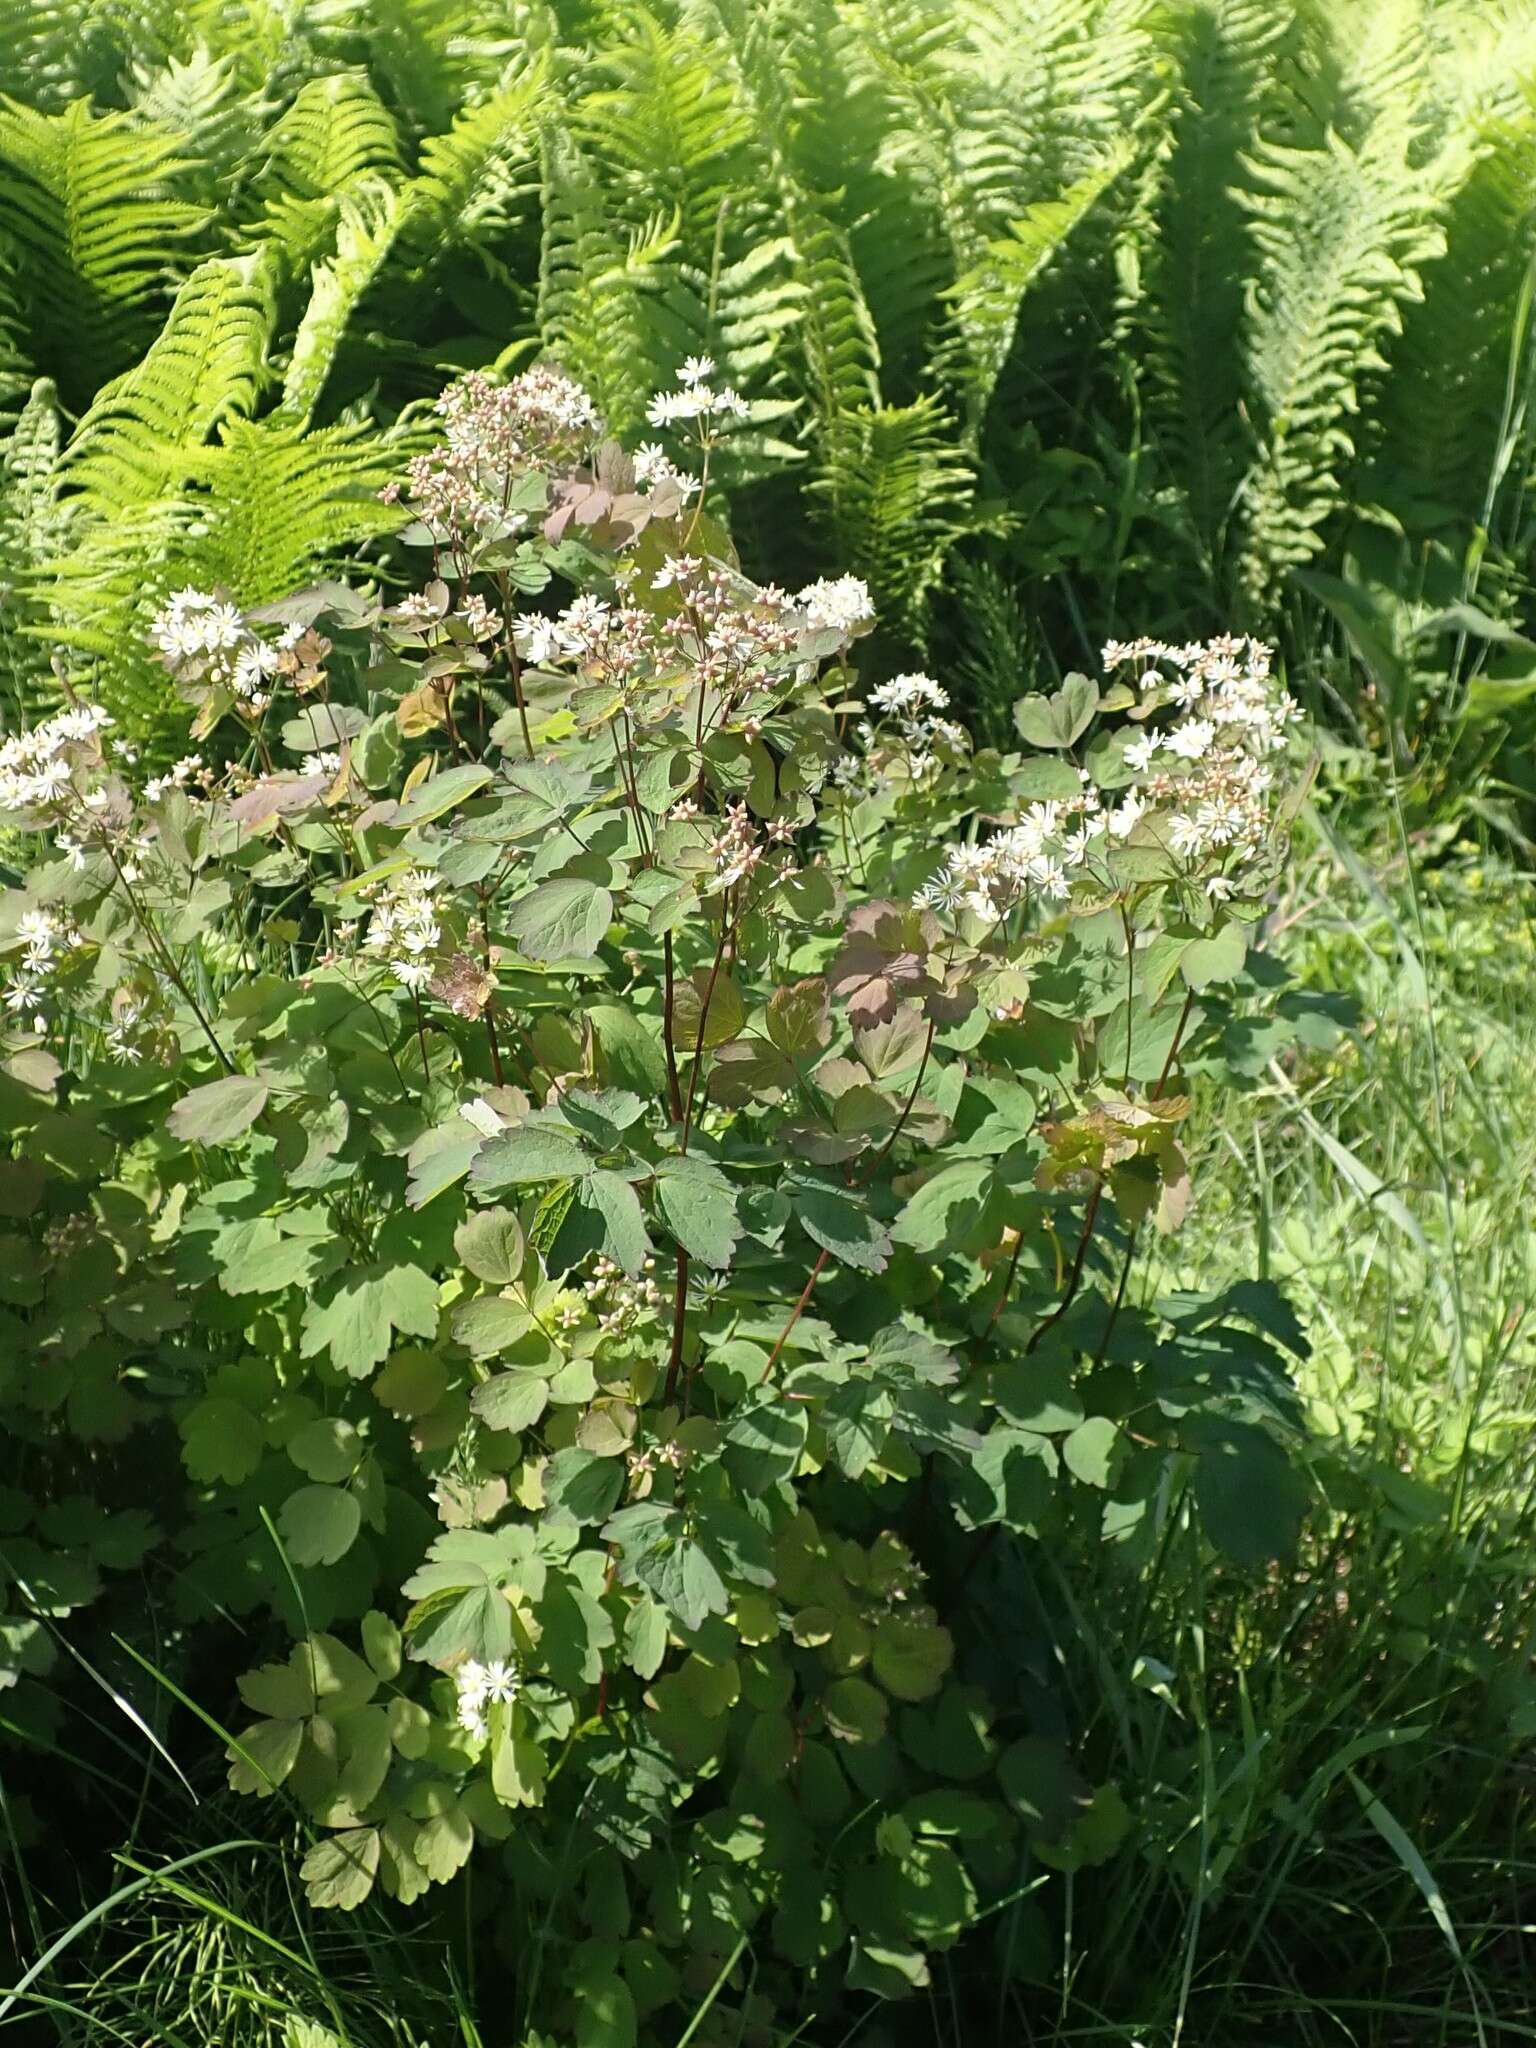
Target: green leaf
[
  {"x": 580, "y": 1487},
  {"x": 1250, "y": 1499},
  {"x": 263, "y": 1756},
  {"x": 605, "y": 2013},
  {"x": 841, "y": 1223},
  {"x": 365, "y": 1750},
  {"x": 698, "y": 1205},
  {"x": 319, "y": 1524},
  {"x": 855, "y": 1711},
  {"x": 440, "y": 793},
  {"x": 284, "y": 1692},
  {"x": 526, "y": 1155},
  {"x": 911, "y": 1656},
  {"x": 723, "y": 1020},
  {"x": 645, "y": 1636},
  {"x": 764, "y": 1443},
  {"x": 381, "y": 1644},
  {"x": 444, "y": 1842},
  {"x": 1058, "y": 720},
  {"x": 564, "y": 919},
  {"x": 326, "y": 1449},
  {"x": 354, "y": 1318},
  {"x": 340, "y": 1871},
  {"x": 511, "y": 1400},
  {"x": 625, "y": 1239},
  {"x": 1094, "y": 1451},
  {"x": 218, "y": 1112},
  {"x": 490, "y": 1244},
  {"x": 1218, "y": 958},
  {"x": 221, "y": 1440},
  {"x": 518, "y": 1769},
  {"x": 947, "y": 1208},
  {"x": 800, "y": 1019}
]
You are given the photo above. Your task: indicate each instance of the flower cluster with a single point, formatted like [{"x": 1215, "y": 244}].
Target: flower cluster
[
  {"x": 836, "y": 604},
  {"x": 724, "y": 637},
  {"x": 654, "y": 467},
  {"x": 910, "y": 726},
  {"x": 203, "y": 638},
  {"x": 404, "y": 930},
  {"x": 191, "y": 768},
  {"x": 696, "y": 398},
  {"x": 1204, "y": 783},
  {"x": 1199, "y": 790},
  {"x": 38, "y": 769},
  {"x": 493, "y": 434},
  {"x": 642, "y": 1463},
  {"x": 43, "y": 938},
  {"x": 1033, "y": 859},
  {"x": 479, "y": 1688},
  {"x": 618, "y": 1302}
]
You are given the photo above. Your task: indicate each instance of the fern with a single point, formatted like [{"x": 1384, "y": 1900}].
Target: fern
[
  {"x": 34, "y": 528},
  {"x": 133, "y": 445},
  {"x": 896, "y": 504},
  {"x": 336, "y": 133},
  {"x": 199, "y": 101},
  {"x": 89, "y": 206},
  {"x": 1437, "y": 436},
  {"x": 277, "y": 503},
  {"x": 1342, "y": 239},
  {"x": 475, "y": 181},
  {"x": 592, "y": 278},
  {"x": 1189, "y": 323},
  {"x": 671, "y": 135},
  {"x": 368, "y": 219},
  {"x": 986, "y": 301}
]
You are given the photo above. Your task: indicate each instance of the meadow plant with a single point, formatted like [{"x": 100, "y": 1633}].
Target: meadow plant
[{"x": 619, "y": 1142}]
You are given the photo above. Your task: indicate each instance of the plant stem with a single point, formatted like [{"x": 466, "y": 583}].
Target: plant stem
[
  {"x": 796, "y": 1312},
  {"x": 679, "y": 1311},
  {"x": 669, "y": 1051}
]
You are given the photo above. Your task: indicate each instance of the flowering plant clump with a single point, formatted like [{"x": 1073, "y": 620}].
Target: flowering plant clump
[{"x": 621, "y": 1146}]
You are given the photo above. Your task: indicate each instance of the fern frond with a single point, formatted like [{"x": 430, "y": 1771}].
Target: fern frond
[
  {"x": 1436, "y": 439},
  {"x": 475, "y": 181},
  {"x": 592, "y": 279},
  {"x": 895, "y": 504},
  {"x": 985, "y": 301},
  {"x": 668, "y": 131},
  {"x": 88, "y": 204},
  {"x": 133, "y": 445},
  {"x": 367, "y": 221},
  {"x": 1342, "y": 236},
  {"x": 34, "y": 526},
  {"x": 276, "y": 504},
  {"x": 1188, "y": 325},
  {"x": 336, "y": 133},
  {"x": 199, "y": 102}
]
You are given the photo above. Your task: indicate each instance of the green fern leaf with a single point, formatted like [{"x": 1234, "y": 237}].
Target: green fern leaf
[{"x": 88, "y": 204}]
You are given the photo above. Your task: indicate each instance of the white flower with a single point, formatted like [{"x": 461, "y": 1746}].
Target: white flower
[
  {"x": 1122, "y": 820},
  {"x": 839, "y": 604},
  {"x": 695, "y": 369},
  {"x": 1191, "y": 741},
  {"x": 902, "y": 693},
  {"x": 1138, "y": 754},
  {"x": 480, "y": 1117},
  {"x": 1185, "y": 835},
  {"x": 536, "y": 638}
]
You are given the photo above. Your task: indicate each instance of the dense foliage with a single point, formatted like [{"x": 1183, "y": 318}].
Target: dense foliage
[
  {"x": 713, "y": 1325},
  {"x": 1052, "y": 320},
  {"x": 580, "y": 1081}
]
